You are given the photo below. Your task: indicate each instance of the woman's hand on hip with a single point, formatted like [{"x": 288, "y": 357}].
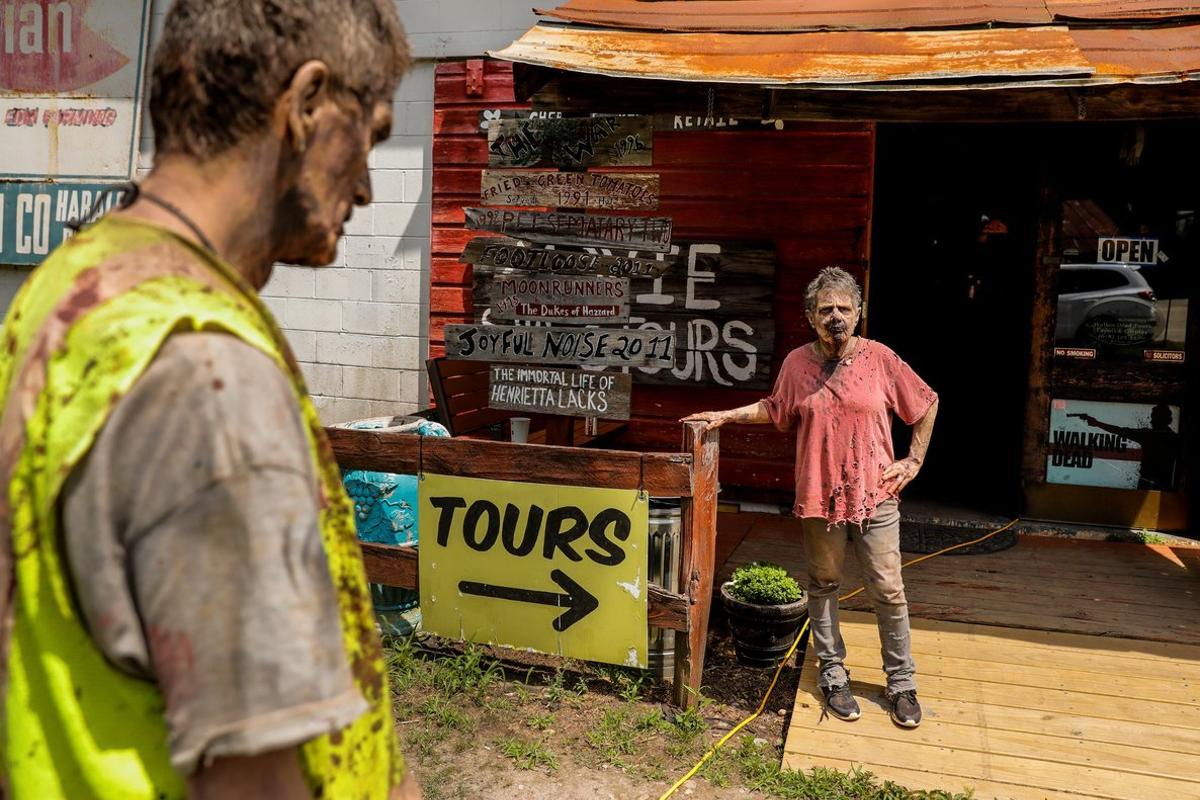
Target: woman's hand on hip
[{"x": 899, "y": 474}]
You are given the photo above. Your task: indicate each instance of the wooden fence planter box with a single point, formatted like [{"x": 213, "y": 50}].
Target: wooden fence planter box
[{"x": 690, "y": 475}]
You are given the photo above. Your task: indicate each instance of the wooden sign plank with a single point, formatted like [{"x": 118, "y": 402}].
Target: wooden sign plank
[
  {"x": 544, "y": 297},
  {"x": 553, "y": 390},
  {"x": 571, "y": 143},
  {"x": 662, "y": 122},
  {"x": 627, "y": 191},
  {"x": 718, "y": 301},
  {"x": 490, "y": 115},
  {"x": 496, "y": 251},
  {"x": 708, "y": 122},
  {"x": 583, "y": 347},
  {"x": 582, "y": 230}
]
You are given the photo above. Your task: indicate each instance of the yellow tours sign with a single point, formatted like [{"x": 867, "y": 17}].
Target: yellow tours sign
[{"x": 557, "y": 569}]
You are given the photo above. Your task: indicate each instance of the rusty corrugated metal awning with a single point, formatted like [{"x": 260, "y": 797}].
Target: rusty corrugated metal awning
[
  {"x": 1026, "y": 55},
  {"x": 1142, "y": 54},
  {"x": 1115, "y": 10},
  {"x": 834, "y": 57},
  {"x": 945, "y": 59},
  {"x": 872, "y": 45},
  {"x": 794, "y": 16}
]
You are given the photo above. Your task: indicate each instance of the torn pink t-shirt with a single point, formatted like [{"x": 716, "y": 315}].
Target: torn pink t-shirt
[{"x": 841, "y": 413}]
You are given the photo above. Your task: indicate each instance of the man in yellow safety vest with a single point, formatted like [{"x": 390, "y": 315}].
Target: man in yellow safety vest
[{"x": 183, "y": 603}]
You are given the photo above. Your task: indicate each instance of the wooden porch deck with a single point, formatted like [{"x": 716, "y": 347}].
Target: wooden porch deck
[{"x": 1055, "y": 669}]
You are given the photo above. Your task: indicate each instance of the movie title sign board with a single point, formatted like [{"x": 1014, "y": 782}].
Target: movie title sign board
[
  {"x": 553, "y": 390},
  {"x": 626, "y": 191},
  {"x": 582, "y": 230},
  {"x": 1115, "y": 445},
  {"x": 34, "y": 217},
  {"x": 585, "y": 347},
  {"x": 545, "y": 297},
  {"x": 572, "y": 144},
  {"x": 502, "y": 252},
  {"x": 718, "y": 301},
  {"x": 71, "y": 84},
  {"x": 557, "y": 569}
]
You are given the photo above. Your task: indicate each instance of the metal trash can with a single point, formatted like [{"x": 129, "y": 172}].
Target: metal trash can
[{"x": 666, "y": 542}]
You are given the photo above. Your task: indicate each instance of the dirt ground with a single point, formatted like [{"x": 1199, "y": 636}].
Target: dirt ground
[{"x": 478, "y": 723}]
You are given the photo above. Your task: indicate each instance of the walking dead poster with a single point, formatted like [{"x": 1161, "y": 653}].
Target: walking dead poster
[{"x": 1114, "y": 445}]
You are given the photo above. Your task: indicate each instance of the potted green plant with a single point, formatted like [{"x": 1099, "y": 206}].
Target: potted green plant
[{"x": 766, "y": 608}]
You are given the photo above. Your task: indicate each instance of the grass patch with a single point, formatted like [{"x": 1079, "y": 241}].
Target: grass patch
[
  {"x": 542, "y": 722},
  {"x": 466, "y": 673},
  {"x": 759, "y": 769},
  {"x": 451, "y": 699},
  {"x": 528, "y": 754},
  {"x": 558, "y": 692},
  {"x": 685, "y": 735},
  {"x": 614, "y": 737},
  {"x": 445, "y": 713},
  {"x": 1137, "y": 537}
]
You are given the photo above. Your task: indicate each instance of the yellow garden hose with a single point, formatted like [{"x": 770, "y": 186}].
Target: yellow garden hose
[{"x": 778, "y": 670}]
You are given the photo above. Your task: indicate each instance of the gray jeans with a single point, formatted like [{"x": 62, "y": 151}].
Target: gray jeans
[{"x": 877, "y": 547}]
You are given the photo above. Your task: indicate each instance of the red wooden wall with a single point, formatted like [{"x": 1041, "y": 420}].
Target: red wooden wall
[{"x": 806, "y": 188}]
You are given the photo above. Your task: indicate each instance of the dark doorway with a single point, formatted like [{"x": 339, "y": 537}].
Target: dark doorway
[{"x": 955, "y": 234}]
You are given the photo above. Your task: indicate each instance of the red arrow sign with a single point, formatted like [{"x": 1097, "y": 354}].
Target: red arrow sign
[{"x": 46, "y": 48}]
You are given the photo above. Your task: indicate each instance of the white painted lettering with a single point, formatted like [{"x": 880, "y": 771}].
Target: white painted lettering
[
  {"x": 700, "y": 276},
  {"x": 30, "y": 34}
]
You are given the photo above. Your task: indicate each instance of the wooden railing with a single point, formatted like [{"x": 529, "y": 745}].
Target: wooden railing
[{"x": 690, "y": 475}]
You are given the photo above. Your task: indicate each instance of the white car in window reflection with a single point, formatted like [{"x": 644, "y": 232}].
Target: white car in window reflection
[{"x": 1105, "y": 304}]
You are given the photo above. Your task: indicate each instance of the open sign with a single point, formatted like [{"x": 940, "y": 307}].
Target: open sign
[{"x": 1118, "y": 250}]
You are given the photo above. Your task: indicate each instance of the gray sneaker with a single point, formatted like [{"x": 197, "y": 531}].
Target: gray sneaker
[
  {"x": 904, "y": 709},
  {"x": 840, "y": 702}
]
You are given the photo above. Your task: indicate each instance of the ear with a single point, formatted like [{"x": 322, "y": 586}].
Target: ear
[{"x": 306, "y": 93}]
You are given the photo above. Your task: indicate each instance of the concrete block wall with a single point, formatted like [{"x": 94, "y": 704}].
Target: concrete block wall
[{"x": 359, "y": 327}]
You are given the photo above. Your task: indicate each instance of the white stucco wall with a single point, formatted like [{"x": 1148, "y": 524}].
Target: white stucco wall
[{"x": 359, "y": 328}]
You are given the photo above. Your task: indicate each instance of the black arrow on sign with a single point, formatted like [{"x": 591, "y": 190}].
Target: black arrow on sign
[{"x": 578, "y": 601}]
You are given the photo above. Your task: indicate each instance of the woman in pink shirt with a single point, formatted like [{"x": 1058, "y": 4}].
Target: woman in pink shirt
[{"x": 836, "y": 396}]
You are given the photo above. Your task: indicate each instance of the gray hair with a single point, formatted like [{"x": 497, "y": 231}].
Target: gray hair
[
  {"x": 221, "y": 64},
  {"x": 834, "y": 278}
]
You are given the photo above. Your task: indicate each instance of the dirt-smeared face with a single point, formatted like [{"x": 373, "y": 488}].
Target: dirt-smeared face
[
  {"x": 835, "y": 317},
  {"x": 329, "y": 179}
]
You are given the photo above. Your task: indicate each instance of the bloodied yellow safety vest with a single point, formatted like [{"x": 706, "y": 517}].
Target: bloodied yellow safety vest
[{"x": 80, "y": 333}]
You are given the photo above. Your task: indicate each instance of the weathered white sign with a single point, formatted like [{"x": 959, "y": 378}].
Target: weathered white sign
[
  {"x": 500, "y": 251},
  {"x": 579, "y": 230},
  {"x": 554, "y": 390},
  {"x": 545, "y": 297},
  {"x": 71, "y": 82},
  {"x": 581, "y": 347},
  {"x": 629, "y": 191},
  {"x": 35, "y": 217}
]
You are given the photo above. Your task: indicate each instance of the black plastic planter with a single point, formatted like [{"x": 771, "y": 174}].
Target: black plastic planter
[{"x": 763, "y": 634}]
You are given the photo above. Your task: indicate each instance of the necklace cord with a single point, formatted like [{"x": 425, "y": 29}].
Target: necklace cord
[
  {"x": 175, "y": 211},
  {"x": 131, "y": 193}
]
